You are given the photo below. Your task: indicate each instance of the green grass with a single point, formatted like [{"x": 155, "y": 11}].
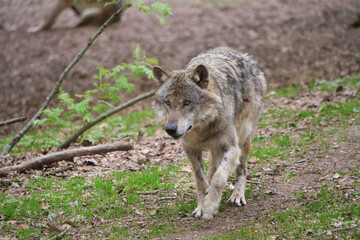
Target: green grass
[
  {"x": 285, "y": 92},
  {"x": 331, "y": 86},
  {"x": 109, "y": 197}
]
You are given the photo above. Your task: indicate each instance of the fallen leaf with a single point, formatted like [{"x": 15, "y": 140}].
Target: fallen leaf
[
  {"x": 52, "y": 228},
  {"x": 23, "y": 226},
  {"x": 269, "y": 192},
  {"x": 253, "y": 160},
  {"x": 11, "y": 222},
  {"x": 336, "y": 176},
  {"x": 152, "y": 212},
  {"x": 186, "y": 168},
  {"x": 323, "y": 123},
  {"x": 139, "y": 212}
]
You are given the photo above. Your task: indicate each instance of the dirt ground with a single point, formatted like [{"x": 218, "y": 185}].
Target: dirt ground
[{"x": 293, "y": 41}]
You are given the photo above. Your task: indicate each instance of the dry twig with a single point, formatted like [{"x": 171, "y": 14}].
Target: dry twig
[
  {"x": 13, "y": 120},
  {"x": 148, "y": 192},
  {"x": 59, "y": 82},
  {"x": 61, "y": 235},
  {"x": 64, "y": 169}
]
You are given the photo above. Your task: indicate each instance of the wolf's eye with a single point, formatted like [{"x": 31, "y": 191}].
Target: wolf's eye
[
  {"x": 167, "y": 102},
  {"x": 187, "y": 103}
]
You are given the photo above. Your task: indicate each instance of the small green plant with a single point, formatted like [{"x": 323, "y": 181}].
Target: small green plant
[
  {"x": 157, "y": 9},
  {"x": 106, "y": 92},
  {"x": 109, "y": 85},
  {"x": 287, "y": 175}
]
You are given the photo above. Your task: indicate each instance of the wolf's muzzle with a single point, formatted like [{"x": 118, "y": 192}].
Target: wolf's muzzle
[{"x": 171, "y": 129}]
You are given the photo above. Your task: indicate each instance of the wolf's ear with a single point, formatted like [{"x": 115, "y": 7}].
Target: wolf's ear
[
  {"x": 161, "y": 74},
  {"x": 201, "y": 76}
]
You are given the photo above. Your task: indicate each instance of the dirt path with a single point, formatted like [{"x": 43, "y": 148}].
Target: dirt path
[
  {"x": 276, "y": 195},
  {"x": 293, "y": 41}
]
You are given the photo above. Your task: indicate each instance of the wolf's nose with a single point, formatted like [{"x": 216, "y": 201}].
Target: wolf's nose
[{"x": 171, "y": 129}]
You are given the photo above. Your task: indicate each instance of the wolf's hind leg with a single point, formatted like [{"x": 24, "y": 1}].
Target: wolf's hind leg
[{"x": 238, "y": 195}]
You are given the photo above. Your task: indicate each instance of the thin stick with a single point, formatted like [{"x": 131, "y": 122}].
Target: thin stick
[
  {"x": 13, "y": 120},
  {"x": 66, "y": 156},
  {"x": 167, "y": 198},
  {"x": 59, "y": 82},
  {"x": 147, "y": 192},
  {"x": 59, "y": 236},
  {"x": 64, "y": 169},
  {"x": 101, "y": 117}
]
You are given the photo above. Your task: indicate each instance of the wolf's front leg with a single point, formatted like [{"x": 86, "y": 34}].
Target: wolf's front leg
[
  {"x": 213, "y": 195},
  {"x": 195, "y": 157},
  {"x": 238, "y": 195}
]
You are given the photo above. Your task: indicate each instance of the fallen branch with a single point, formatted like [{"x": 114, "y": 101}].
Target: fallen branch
[
  {"x": 61, "y": 235},
  {"x": 148, "y": 192},
  {"x": 13, "y": 120},
  {"x": 101, "y": 117},
  {"x": 337, "y": 230},
  {"x": 64, "y": 169},
  {"x": 59, "y": 82},
  {"x": 167, "y": 198},
  {"x": 66, "y": 156}
]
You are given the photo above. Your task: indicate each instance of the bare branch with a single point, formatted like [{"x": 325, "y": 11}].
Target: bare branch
[
  {"x": 64, "y": 169},
  {"x": 65, "y": 156},
  {"x": 13, "y": 120},
  {"x": 60, "y": 80},
  {"x": 103, "y": 116},
  {"x": 61, "y": 235}
]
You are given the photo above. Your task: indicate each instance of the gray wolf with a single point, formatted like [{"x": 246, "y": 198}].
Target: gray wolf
[
  {"x": 90, "y": 12},
  {"x": 213, "y": 103}
]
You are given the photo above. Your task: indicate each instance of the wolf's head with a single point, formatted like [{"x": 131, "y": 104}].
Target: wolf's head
[{"x": 183, "y": 99}]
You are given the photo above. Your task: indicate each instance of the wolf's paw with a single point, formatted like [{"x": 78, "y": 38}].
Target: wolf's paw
[
  {"x": 197, "y": 213},
  {"x": 237, "y": 200},
  {"x": 207, "y": 216}
]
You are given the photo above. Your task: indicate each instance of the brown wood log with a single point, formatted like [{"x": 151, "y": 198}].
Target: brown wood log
[{"x": 66, "y": 156}]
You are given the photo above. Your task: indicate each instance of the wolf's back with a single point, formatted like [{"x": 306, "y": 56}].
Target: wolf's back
[{"x": 229, "y": 67}]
